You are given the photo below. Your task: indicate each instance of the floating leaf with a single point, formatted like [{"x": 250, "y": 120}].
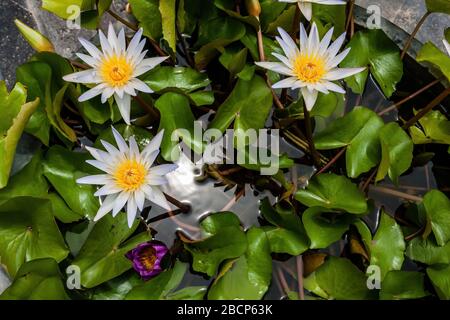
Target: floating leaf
[
  {"x": 399, "y": 285},
  {"x": 225, "y": 240},
  {"x": 431, "y": 54},
  {"x": 28, "y": 232},
  {"x": 375, "y": 49},
  {"x": 149, "y": 17},
  {"x": 167, "y": 8},
  {"x": 434, "y": 128},
  {"x": 396, "y": 152},
  {"x": 333, "y": 192},
  {"x": 161, "y": 286},
  {"x": 247, "y": 277},
  {"x": 102, "y": 256},
  {"x": 62, "y": 168},
  {"x": 339, "y": 279},
  {"x": 248, "y": 106},
  {"x": 428, "y": 251},
  {"x": 15, "y": 115},
  {"x": 442, "y": 6},
  {"x": 437, "y": 208},
  {"x": 163, "y": 79},
  {"x": 387, "y": 247},
  {"x": 39, "y": 279},
  {"x": 325, "y": 228},
  {"x": 358, "y": 130},
  {"x": 440, "y": 277}
]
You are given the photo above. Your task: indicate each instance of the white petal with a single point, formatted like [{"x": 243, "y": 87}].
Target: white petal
[
  {"x": 277, "y": 67},
  {"x": 333, "y": 87},
  {"x": 135, "y": 41},
  {"x": 106, "y": 46},
  {"x": 288, "y": 44},
  {"x": 325, "y": 41},
  {"x": 150, "y": 158},
  {"x": 313, "y": 40},
  {"x": 106, "y": 207},
  {"x": 112, "y": 39},
  {"x": 149, "y": 64},
  {"x": 140, "y": 85},
  {"x": 107, "y": 190},
  {"x": 95, "y": 179},
  {"x": 85, "y": 76},
  {"x": 303, "y": 38},
  {"x": 338, "y": 59},
  {"x": 107, "y": 93},
  {"x": 309, "y": 98},
  {"x": 447, "y": 46},
  {"x": 154, "y": 145},
  {"x": 335, "y": 46},
  {"x": 121, "y": 40},
  {"x": 99, "y": 165},
  {"x": 134, "y": 148},
  {"x": 163, "y": 169},
  {"x": 155, "y": 180},
  {"x": 131, "y": 211},
  {"x": 285, "y": 83},
  {"x": 341, "y": 73},
  {"x": 99, "y": 155},
  {"x": 120, "y": 141},
  {"x": 92, "y": 93},
  {"x": 91, "y": 49},
  {"x": 129, "y": 89},
  {"x": 157, "y": 197},
  {"x": 120, "y": 202},
  {"x": 139, "y": 197},
  {"x": 88, "y": 59},
  {"x": 282, "y": 59},
  {"x": 306, "y": 9},
  {"x": 124, "y": 105}
]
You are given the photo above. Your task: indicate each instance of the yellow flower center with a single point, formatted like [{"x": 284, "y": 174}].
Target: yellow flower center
[
  {"x": 309, "y": 69},
  {"x": 130, "y": 175},
  {"x": 116, "y": 70}
]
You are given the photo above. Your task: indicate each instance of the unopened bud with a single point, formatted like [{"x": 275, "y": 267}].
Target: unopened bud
[
  {"x": 36, "y": 40},
  {"x": 253, "y": 7}
]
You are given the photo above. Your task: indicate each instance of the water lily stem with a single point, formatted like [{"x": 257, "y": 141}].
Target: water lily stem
[
  {"x": 396, "y": 193},
  {"x": 299, "y": 265},
  {"x": 411, "y": 37},
  {"x": 295, "y": 23},
  {"x": 332, "y": 161},
  {"x": 427, "y": 109},
  {"x": 183, "y": 207},
  {"x": 350, "y": 14},
  {"x": 411, "y": 96},
  {"x": 309, "y": 136},
  {"x": 283, "y": 281}
]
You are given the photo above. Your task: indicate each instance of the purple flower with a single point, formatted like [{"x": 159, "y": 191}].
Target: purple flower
[{"x": 147, "y": 258}]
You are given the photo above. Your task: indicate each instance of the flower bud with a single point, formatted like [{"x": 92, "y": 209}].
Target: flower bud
[
  {"x": 36, "y": 40},
  {"x": 253, "y": 7}
]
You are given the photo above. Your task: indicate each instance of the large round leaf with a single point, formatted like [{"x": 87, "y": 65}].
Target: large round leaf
[{"x": 399, "y": 285}]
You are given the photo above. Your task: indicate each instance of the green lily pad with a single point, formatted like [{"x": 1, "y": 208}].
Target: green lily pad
[
  {"x": 437, "y": 207},
  {"x": 249, "y": 276},
  {"x": 373, "y": 48},
  {"x": 102, "y": 256},
  {"x": 399, "y": 285},
  {"x": 149, "y": 17},
  {"x": 428, "y": 251},
  {"x": 332, "y": 191},
  {"x": 431, "y": 54},
  {"x": 224, "y": 240},
  {"x": 434, "y": 128},
  {"x": 163, "y": 79},
  {"x": 358, "y": 131},
  {"x": 396, "y": 152},
  {"x": 440, "y": 277},
  {"x": 29, "y": 232},
  {"x": 39, "y": 279}
]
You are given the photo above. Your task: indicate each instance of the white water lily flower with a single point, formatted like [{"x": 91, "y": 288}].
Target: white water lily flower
[
  {"x": 129, "y": 177},
  {"x": 115, "y": 69},
  {"x": 305, "y": 6},
  {"x": 447, "y": 46},
  {"x": 313, "y": 67}
]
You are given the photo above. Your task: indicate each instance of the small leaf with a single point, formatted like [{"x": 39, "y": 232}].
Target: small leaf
[
  {"x": 324, "y": 228},
  {"x": 375, "y": 49},
  {"x": 431, "y": 54},
  {"x": 102, "y": 256},
  {"x": 428, "y": 251},
  {"x": 149, "y": 17},
  {"x": 437, "y": 207},
  {"x": 342, "y": 280},
  {"x": 247, "y": 277},
  {"x": 434, "y": 128},
  {"x": 39, "y": 279},
  {"x": 29, "y": 232},
  {"x": 167, "y": 8},
  {"x": 225, "y": 240},
  {"x": 358, "y": 130},
  {"x": 440, "y": 277},
  {"x": 333, "y": 192},
  {"x": 442, "y": 6},
  {"x": 396, "y": 152},
  {"x": 399, "y": 285}
]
